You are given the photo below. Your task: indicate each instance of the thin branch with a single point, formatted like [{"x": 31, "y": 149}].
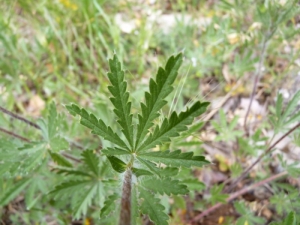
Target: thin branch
[
  {"x": 262, "y": 155},
  {"x": 19, "y": 118},
  {"x": 237, "y": 194},
  {"x": 256, "y": 79},
  {"x": 14, "y": 135},
  {"x": 27, "y": 140}
]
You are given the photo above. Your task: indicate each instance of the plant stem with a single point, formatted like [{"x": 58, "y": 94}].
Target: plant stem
[
  {"x": 237, "y": 194},
  {"x": 125, "y": 215}
]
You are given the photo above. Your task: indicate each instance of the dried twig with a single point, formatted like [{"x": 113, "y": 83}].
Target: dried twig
[
  {"x": 19, "y": 118},
  {"x": 237, "y": 194},
  {"x": 14, "y": 135},
  {"x": 270, "y": 148}
]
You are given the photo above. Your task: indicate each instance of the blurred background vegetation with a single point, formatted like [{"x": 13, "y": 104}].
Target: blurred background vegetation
[{"x": 59, "y": 50}]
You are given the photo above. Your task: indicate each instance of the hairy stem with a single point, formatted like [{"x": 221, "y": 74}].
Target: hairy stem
[
  {"x": 237, "y": 194},
  {"x": 125, "y": 215}
]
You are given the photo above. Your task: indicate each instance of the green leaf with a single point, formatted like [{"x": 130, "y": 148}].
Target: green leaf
[
  {"x": 120, "y": 98},
  {"x": 165, "y": 185},
  {"x": 168, "y": 171},
  {"x": 109, "y": 205},
  {"x": 158, "y": 91},
  {"x": 151, "y": 206},
  {"x": 91, "y": 160},
  {"x": 117, "y": 164},
  {"x": 52, "y": 121},
  {"x": 60, "y": 160},
  {"x": 115, "y": 151},
  {"x": 175, "y": 158},
  {"x": 291, "y": 106},
  {"x": 84, "y": 201},
  {"x": 69, "y": 185},
  {"x": 290, "y": 219},
  {"x": 58, "y": 144},
  {"x": 173, "y": 126},
  {"x": 71, "y": 171},
  {"x": 98, "y": 127},
  {"x": 15, "y": 191},
  {"x": 141, "y": 172},
  {"x": 194, "y": 184},
  {"x": 216, "y": 194}
]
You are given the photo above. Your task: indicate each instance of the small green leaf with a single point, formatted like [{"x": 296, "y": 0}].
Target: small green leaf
[
  {"x": 164, "y": 185},
  {"x": 168, "y": 171},
  {"x": 52, "y": 121},
  {"x": 194, "y": 184},
  {"x": 71, "y": 171},
  {"x": 60, "y": 160},
  {"x": 15, "y": 191},
  {"x": 66, "y": 186},
  {"x": 91, "y": 160},
  {"x": 141, "y": 172},
  {"x": 175, "y": 158},
  {"x": 117, "y": 164},
  {"x": 115, "y": 151},
  {"x": 97, "y": 126},
  {"x": 151, "y": 206},
  {"x": 109, "y": 205},
  {"x": 84, "y": 201}
]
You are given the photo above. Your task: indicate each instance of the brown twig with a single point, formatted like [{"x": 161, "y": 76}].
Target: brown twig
[
  {"x": 237, "y": 194},
  {"x": 262, "y": 155},
  {"x": 14, "y": 135},
  {"x": 19, "y": 118}
]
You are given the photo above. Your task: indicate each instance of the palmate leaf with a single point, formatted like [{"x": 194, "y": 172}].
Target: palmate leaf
[
  {"x": 97, "y": 126},
  {"x": 120, "y": 98},
  {"x": 164, "y": 185},
  {"x": 174, "y": 158},
  {"x": 151, "y": 206},
  {"x": 158, "y": 91},
  {"x": 173, "y": 126}
]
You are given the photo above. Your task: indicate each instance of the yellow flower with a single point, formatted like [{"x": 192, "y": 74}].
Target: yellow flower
[{"x": 69, "y": 4}]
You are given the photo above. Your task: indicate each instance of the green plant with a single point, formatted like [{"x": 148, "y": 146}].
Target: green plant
[{"x": 144, "y": 172}]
